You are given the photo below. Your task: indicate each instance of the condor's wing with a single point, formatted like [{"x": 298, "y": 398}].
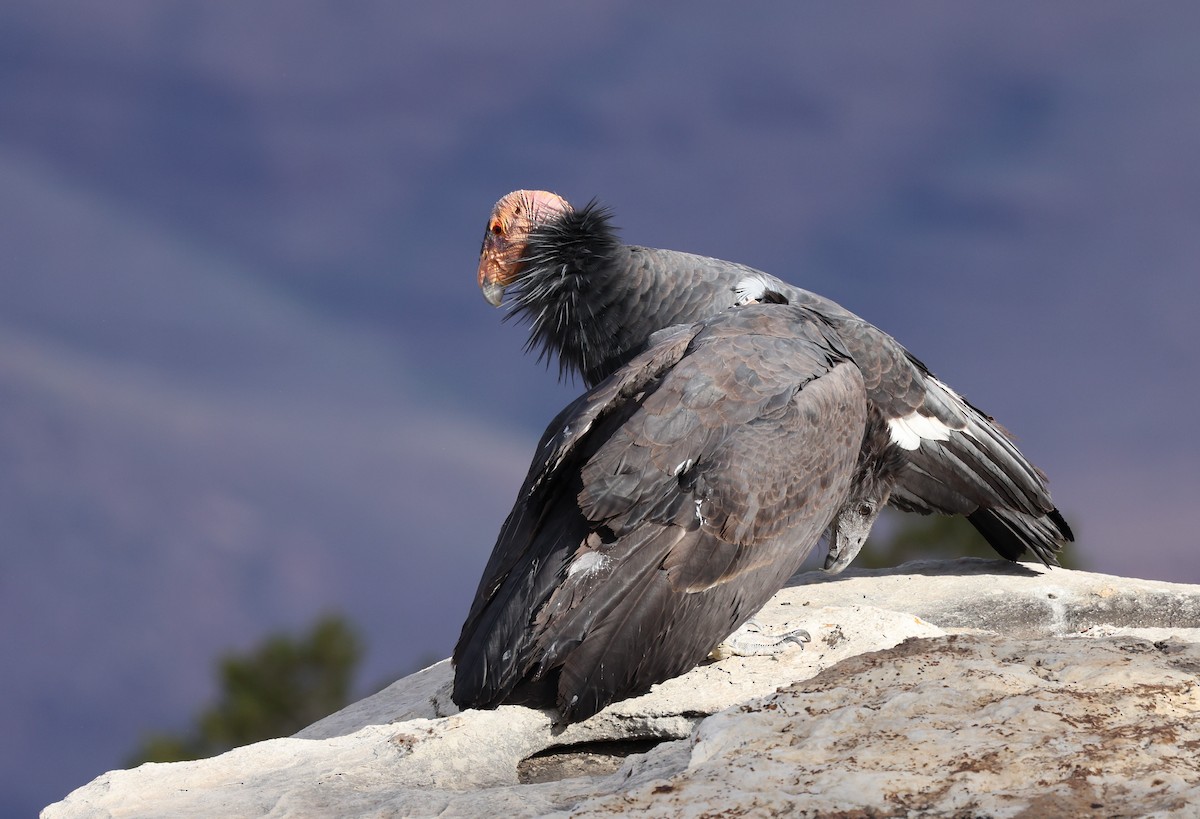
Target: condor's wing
[{"x": 664, "y": 508}]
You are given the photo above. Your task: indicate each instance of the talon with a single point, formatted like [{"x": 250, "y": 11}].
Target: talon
[
  {"x": 751, "y": 641},
  {"x": 799, "y": 637}
]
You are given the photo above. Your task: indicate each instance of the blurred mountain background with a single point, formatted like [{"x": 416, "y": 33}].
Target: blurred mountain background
[{"x": 246, "y": 376}]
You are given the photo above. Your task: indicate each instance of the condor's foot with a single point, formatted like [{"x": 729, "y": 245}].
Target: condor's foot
[{"x": 752, "y": 641}]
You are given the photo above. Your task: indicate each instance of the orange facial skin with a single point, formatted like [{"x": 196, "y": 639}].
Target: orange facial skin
[{"x": 513, "y": 217}]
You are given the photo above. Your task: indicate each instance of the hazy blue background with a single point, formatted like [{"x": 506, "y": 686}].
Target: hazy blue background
[{"x": 246, "y": 375}]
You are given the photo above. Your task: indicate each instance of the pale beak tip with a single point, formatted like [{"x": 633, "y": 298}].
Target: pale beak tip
[{"x": 493, "y": 292}]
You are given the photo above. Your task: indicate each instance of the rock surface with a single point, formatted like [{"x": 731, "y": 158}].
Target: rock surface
[{"x": 967, "y": 687}]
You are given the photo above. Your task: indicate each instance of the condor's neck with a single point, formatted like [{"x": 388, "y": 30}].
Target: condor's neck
[
  {"x": 595, "y": 311},
  {"x": 576, "y": 304}
]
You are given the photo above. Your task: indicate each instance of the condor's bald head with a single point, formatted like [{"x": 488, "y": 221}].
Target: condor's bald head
[{"x": 508, "y": 228}]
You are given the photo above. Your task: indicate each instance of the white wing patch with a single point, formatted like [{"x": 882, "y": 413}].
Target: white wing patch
[
  {"x": 751, "y": 288},
  {"x": 909, "y": 431},
  {"x": 587, "y": 563}
]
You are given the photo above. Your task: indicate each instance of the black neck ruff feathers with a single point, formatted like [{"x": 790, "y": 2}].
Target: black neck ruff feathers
[{"x": 565, "y": 265}]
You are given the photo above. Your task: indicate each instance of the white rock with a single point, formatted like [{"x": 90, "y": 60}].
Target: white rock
[
  {"x": 998, "y": 706},
  {"x": 963, "y": 725}
]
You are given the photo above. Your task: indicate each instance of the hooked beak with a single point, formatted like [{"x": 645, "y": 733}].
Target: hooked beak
[
  {"x": 493, "y": 291},
  {"x": 494, "y": 275}
]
